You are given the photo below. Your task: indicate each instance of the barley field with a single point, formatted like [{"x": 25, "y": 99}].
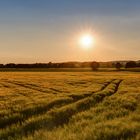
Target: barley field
[{"x": 69, "y": 106}]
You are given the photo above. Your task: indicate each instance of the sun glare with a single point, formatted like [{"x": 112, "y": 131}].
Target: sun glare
[{"x": 86, "y": 41}]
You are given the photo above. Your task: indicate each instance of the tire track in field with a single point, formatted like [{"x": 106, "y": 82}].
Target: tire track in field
[
  {"x": 33, "y": 87},
  {"x": 20, "y": 93},
  {"x": 4, "y": 85},
  {"x": 81, "y": 96},
  {"x": 26, "y": 86},
  {"x": 62, "y": 115},
  {"x": 38, "y": 110},
  {"x": 117, "y": 86}
]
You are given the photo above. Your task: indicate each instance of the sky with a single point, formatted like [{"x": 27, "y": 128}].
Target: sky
[{"x": 48, "y": 30}]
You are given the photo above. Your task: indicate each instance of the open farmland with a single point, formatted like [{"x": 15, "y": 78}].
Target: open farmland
[{"x": 69, "y": 105}]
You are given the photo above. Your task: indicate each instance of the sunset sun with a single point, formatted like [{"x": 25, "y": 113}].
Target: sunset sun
[{"x": 86, "y": 41}]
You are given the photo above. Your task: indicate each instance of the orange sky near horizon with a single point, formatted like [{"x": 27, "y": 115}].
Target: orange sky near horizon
[{"x": 41, "y": 31}]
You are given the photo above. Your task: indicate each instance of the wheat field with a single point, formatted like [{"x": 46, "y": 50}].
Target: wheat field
[{"x": 69, "y": 105}]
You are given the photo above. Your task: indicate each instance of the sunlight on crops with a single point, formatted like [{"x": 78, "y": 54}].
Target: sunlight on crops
[{"x": 69, "y": 105}]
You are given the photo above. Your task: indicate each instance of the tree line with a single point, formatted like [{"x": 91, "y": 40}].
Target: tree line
[
  {"x": 94, "y": 65},
  {"x": 118, "y": 65},
  {"x": 130, "y": 64}
]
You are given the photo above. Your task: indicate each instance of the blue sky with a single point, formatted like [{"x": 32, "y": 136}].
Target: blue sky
[{"x": 46, "y": 30}]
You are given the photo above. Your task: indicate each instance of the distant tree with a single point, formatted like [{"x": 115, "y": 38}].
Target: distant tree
[
  {"x": 118, "y": 65},
  {"x": 95, "y": 65},
  {"x": 50, "y": 64},
  {"x": 131, "y": 64}
]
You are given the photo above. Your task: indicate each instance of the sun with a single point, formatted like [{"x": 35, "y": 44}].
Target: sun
[{"x": 86, "y": 41}]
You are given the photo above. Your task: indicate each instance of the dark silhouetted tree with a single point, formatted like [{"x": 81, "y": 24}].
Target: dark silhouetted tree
[
  {"x": 95, "y": 66},
  {"x": 1, "y": 66},
  {"x": 131, "y": 64},
  {"x": 118, "y": 65},
  {"x": 50, "y": 65}
]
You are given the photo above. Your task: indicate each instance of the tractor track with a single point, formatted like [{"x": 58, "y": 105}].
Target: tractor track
[
  {"x": 61, "y": 115},
  {"x": 41, "y": 109}
]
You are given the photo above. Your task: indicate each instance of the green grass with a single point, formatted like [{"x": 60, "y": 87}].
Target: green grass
[{"x": 69, "y": 106}]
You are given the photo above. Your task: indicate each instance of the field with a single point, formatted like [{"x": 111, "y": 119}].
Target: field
[{"x": 69, "y": 105}]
